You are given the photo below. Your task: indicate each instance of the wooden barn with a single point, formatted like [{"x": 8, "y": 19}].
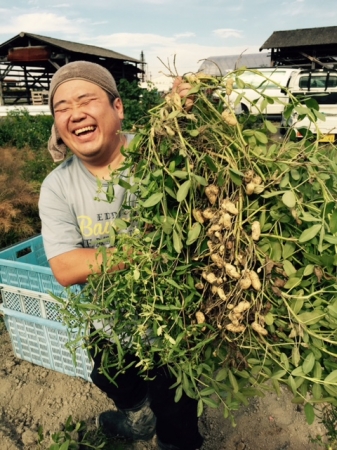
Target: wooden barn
[
  {"x": 311, "y": 48},
  {"x": 28, "y": 61}
]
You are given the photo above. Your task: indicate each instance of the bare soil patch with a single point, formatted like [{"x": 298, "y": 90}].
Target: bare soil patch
[{"x": 33, "y": 396}]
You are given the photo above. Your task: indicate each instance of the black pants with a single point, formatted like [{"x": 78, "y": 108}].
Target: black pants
[{"x": 177, "y": 423}]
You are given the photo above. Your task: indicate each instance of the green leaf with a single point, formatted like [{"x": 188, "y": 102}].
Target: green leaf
[
  {"x": 292, "y": 282},
  {"x": 279, "y": 374},
  {"x": 200, "y": 408},
  {"x": 276, "y": 250},
  {"x": 318, "y": 371},
  {"x": 269, "y": 194},
  {"x": 284, "y": 361},
  {"x": 119, "y": 224},
  {"x": 221, "y": 375},
  {"x": 317, "y": 391},
  {"x": 270, "y": 126},
  {"x": 331, "y": 378},
  {"x": 288, "y": 250},
  {"x": 289, "y": 199},
  {"x": 333, "y": 222},
  {"x": 298, "y": 372},
  {"x": 308, "y": 270},
  {"x": 297, "y": 305},
  {"x": 311, "y": 317},
  {"x": 295, "y": 175},
  {"x": 233, "y": 381},
  {"x": 210, "y": 402},
  {"x": 308, "y": 363},
  {"x": 236, "y": 177},
  {"x": 309, "y": 413},
  {"x": 332, "y": 309},
  {"x": 285, "y": 180},
  {"x": 289, "y": 268},
  {"x": 200, "y": 180},
  {"x": 112, "y": 236},
  {"x": 183, "y": 190},
  {"x": 331, "y": 239},
  {"x": 178, "y": 393},
  {"x": 153, "y": 200},
  {"x": 269, "y": 318},
  {"x": 173, "y": 283},
  {"x": 207, "y": 391},
  {"x": 309, "y": 233},
  {"x": 331, "y": 390},
  {"x": 180, "y": 174},
  {"x": 124, "y": 184},
  {"x": 170, "y": 192},
  {"x": 177, "y": 244},
  {"x": 306, "y": 217},
  {"x": 261, "y": 137},
  {"x": 292, "y": 384},
  {"x": 65, "y": 445},
  {"x": 209, "y": 161},
  {"x": 193, "y": 233},
  {"x": 296, "y": 357}
]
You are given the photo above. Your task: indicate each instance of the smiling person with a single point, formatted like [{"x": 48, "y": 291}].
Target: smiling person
[{"x": 88, "y": 114}]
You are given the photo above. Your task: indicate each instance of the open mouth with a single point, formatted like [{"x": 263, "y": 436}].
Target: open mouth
[{"x": 84, "y": 130}]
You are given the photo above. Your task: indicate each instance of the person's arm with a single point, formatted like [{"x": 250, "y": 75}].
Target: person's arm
[
  {"x": 75, "y": 266},
  {"x": 70, "y": 261}
]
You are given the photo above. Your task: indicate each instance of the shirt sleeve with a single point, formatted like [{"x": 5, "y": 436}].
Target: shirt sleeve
[{"x": 60, "y": 230}]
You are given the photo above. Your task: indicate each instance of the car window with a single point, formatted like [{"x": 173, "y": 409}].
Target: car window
[{"x": 317, "y": 81}]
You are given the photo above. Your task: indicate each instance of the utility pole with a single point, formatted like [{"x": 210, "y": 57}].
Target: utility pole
[{"x": 143, "y": 63}]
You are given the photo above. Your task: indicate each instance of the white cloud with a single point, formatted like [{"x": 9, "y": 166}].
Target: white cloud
[
  {"x": 228, "y": 32},
  {"x": 131, "y": 40},
  {"x": 164, "y": 53},
  {"x": 187, "y": 34},
  {"x": 154, "y": 2},
  {"x": 37, "y": 23}
]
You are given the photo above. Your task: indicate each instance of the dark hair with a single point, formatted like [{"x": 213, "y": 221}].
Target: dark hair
[{"x": 111, "y": 98}]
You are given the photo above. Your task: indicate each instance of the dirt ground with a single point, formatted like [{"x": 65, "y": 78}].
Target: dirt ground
[{"x": 32, "y": 396}]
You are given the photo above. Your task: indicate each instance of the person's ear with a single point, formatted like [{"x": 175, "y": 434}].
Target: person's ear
[{"x": 118, "y": 105}]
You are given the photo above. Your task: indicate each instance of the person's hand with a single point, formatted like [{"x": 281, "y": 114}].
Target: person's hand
[{"x": 182, "y": 88}]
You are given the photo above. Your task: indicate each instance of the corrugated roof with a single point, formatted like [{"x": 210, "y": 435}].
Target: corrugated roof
[
  {"x": 302, "y": 38},
  {"x": 219, "y": 65},
  {"x": 75, "y": 47}
]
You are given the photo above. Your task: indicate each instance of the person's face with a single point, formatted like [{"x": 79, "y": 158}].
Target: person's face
[{"x": 86, "y": 121}]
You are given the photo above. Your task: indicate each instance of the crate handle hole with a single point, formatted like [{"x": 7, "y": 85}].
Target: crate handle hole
[{"x": 23, "y": 252}]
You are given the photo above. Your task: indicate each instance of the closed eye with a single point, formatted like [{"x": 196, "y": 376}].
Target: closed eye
[{"x": 61, "y": 110}]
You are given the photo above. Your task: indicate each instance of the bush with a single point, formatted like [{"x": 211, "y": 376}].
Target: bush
[
  {"x": 19, "y": 129},
  {"x": 19, "y": 218},
  {"x": 137, "y": 102}
]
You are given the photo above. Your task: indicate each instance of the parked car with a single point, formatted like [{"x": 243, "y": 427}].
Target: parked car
[
  {"x": 261, "y": 91},
  {"x": 320, "y": 85}
]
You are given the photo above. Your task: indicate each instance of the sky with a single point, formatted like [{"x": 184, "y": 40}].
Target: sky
[{"x": 175, "y": 36}]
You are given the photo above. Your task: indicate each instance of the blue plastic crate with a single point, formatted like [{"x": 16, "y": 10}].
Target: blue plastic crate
[
  {"x": 37, "y": 333},
  {"x": 25, "y": 265}
]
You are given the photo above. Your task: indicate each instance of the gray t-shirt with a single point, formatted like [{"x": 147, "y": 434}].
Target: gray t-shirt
[{"x": 71, "y": 215}]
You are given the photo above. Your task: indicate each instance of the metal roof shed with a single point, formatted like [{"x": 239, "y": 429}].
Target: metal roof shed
[
  {"x": 28, "y": 61},
  {"x": 219, "y": 65},
  {"x": 307, "y": 47}
]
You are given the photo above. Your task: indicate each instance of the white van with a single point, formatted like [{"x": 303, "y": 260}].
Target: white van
[
  {"x": 320, "y": 84},
  {"x": 252, "y": 86}
]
